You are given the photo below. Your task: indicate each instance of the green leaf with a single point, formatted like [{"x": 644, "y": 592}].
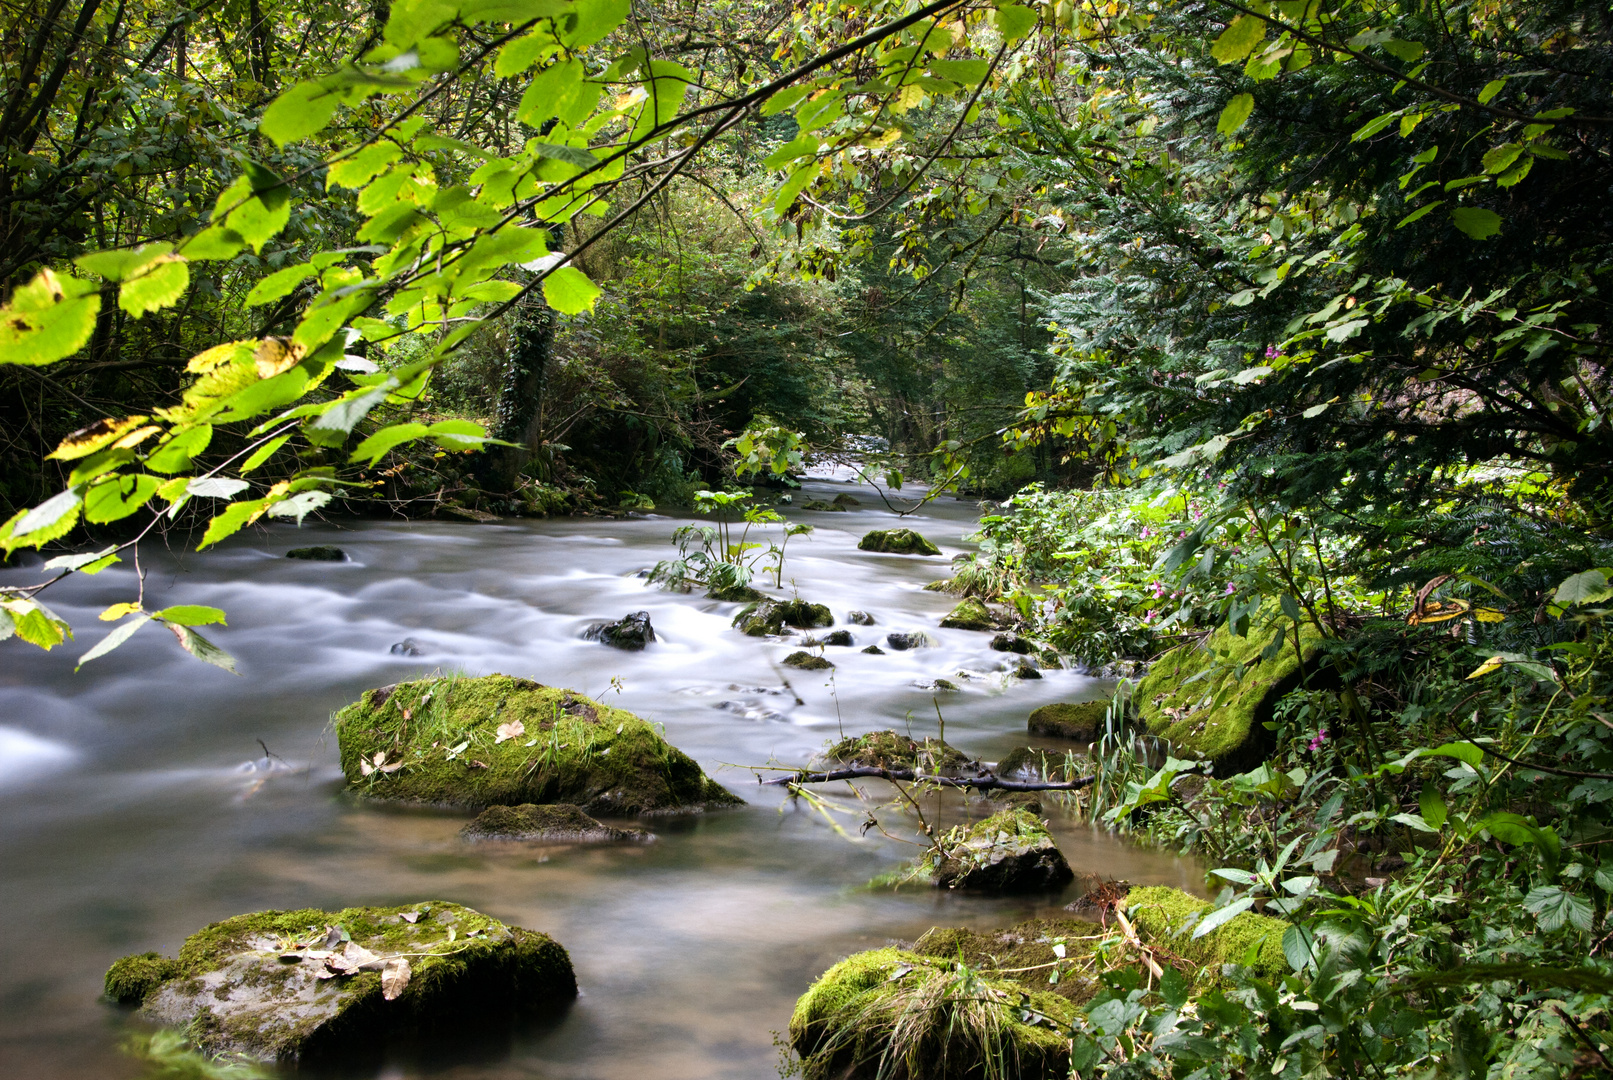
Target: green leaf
[
  {"x": 458, "y": 434},
  {"x": 1414, "y": 821},
  {"x": 262, "y": 454},
  {"x": 120, "y": 265},
  {"x": 49, "y": 318},
  {"x": 190, "y": 615},
  {"x": 1555, "y": 907},
  {"x": 159, "y": 287},
  {"x": 118, "y": 497},
  {"x": 1299, "y": 947},
  {"x": 300, "y": 111},
  {"x": 594, "y": 19},
  {"x": 1014, "y": 21},
  {"x": 1409, "y": 51},
  {"x": 1221, "y": 916},
  {"x": 1236, "y": 114},
  {"x": 234, "y": 518},
  {"x": 120, "y": 633},
  {"x": 200, "y": 647},
  {"x": 1499, "y": 158},
  {"x": 554, "y": 92},
  {"x": 48, "y": 513},
  {"x": 1476, "y": 221},
  {"x": 1239, "y": 39},
  {"x": 569, "y": 291},
  {"x": 376, "y": 446},
  {"x": 1432, "y": 805},
  {"x": 79, "y": 562},
  {"x": 968, "y": 72},
  {"x": 278, "y": 284},
  {"x": 1375, "y": 125},
  {"x": 356, "y": 170},
  {"x": 175, "y": 455},
  {"x": 215, "y": 487},
  {"x": 1421, "y": 211},
  {"x": 37, "y": 628},
  {"x": 1589, "y": 587},
  {"x": 1491, "y": 88},
  {"x": 215, "y": 243},
  {"x": 299, "y": 506},
  {"x": 256, "y": 207}
]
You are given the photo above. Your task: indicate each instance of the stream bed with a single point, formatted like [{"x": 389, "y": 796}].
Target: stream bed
[{"x": 136, "y": 804}]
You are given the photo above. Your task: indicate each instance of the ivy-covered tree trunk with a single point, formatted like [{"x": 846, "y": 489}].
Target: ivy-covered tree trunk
[{"x": 520, "y": 399}]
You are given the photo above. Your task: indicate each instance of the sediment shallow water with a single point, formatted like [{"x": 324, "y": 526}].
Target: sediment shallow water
[{"x": 131, "y": 813}]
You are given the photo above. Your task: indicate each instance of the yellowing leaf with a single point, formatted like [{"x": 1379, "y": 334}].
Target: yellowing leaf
[
  {"x": 159, "y": 287},
  {"x": 1492, "y": 664},
  {"x": 102, "y": 433},
  {"x": 47, "y": 319},
  {"x": 276, "y": 355},
  {"x": 1239, "y": 39},
  {"x": 118, "y": 611},
  {"x": 514, "y": 729}
]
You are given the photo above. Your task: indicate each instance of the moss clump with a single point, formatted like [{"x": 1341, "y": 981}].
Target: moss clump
[
  {"x": 891, "y": 750},
  {"x": 819, "y": 504},
  {"x": 1009, "y": 852},
  {"x": 772, "y": 616},
  {"x": 1023, "y": 953},
  {"x": 970, "y": 614},
  {"x": 264, "y": 985},
  {"x": 737, "y": 594},
  {"x": 904, "y": 640},
  {"x": 1012, "y": 643},
  {"x": 807, "y": 662},
  {"x": 1221, "y": 716},
  {"x": 555, "y": 824},
  {"x": 503, "y": 741},
  {"x": 833, "y": 637},
  {"x": 874, "y": 650},
  {"x": 1162, "y": 913},
  {"x": 843, "y": 500},
  {"x": 897, "y": 542},
  {"x": 892, "y": 1012},
  {"x": 318, "y": 553},
  {"x": 1081, "y": 721},
  {"x": 131, "y": 980}
]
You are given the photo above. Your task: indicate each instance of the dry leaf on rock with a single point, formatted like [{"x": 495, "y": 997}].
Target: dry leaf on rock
[
  {"x": 512, "y": 730},
  {"x": 362, "y": 958},
  {"x": 410, "y": 916},
  {"x": 394, "y": 977}
]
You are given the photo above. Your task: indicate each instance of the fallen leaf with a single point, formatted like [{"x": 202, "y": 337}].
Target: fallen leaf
[
  {"x": 361, "y": 958},
  {"x": 364, "y": 767},
  {"x": 453, "y": 932},
  {"x": 410, "y": 916},
  {"x": 394, "y": 977},
  {"x": 478, "y": 764},
  {"x": 408, "y": 714},
  {"x": 379, "y": 758},
  {"x": 333, "y": 937},
  {"x": 512, "y": 730}
]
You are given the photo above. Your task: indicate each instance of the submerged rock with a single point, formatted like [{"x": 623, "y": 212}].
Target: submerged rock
[
  {"x": 874, "y": 650},
  {"x": 503, "y": 741},
  {"x": 834, "y": 637},
  {"x": 1222, "y": 716},
  {"x": 904, "y": 640},
  {"x": 1081, "y": 721},
  {"x": 843, "y": 500},
  {"x": 407, "y": 647},
  {"x": 737, "y": 593},
  {"x": 893, "y": 750},
  {"x": 1012, "y": 643},
  {"x": 819, "y": 504},
  {"x": 318, "y": 553},
  {"x": 807, "y": 662},
  {"x": 1009, "y": 852},
  {"x": 1024, "y": 670},
  {"x": 298, "y": 986},
  {"x": 467, "y": 513},
  {"x": 1030, "y": 763},
  {"x": 897, "y": 542},
  {"x": 631, "y": 632},
  {"x": 559, "y": 823},
  {"x": 771, "y": 617},
  {"x": 970, "y": 614},
  {"x": 859, "y": 618}
]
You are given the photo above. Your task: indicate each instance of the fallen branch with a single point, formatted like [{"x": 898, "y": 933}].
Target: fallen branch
[{"x": 873, "y": 772}]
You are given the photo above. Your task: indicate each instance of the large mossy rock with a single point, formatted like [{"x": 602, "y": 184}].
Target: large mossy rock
[
  {"x": 970, "y": 614},
  {"x": 766, "y": 617},
  {"x": 1081, "y": 720},
  {"x": 1009, "y": 852},
  {"x": 843, "y": 1026},
  {"x": 1165, "y": 915},
  {"x": 893, "y": 750},
  {"x": 1221, "y": 716},
  {"x": 503, "y": 741},
  {"x": 897, "y": 542},
  {"x": 308, "y": 985}
]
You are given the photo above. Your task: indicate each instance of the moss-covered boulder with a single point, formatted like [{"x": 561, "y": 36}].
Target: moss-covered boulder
[
  {"x": 843, "y": 500},
  {"x": 970, "y": 614},
  {"x": 897, "y": 542},
  {"x": 766, "y": 617},
  {"x": 130, "y": 980},
  {"x": 1078, "y": 720},
  {"x": 840, "y": 638},
  {"x": 1166, "y": 915},
  {"x": 820, "y": 505},
  {"x": 1013, "y": 643},
  {"x": 299, "y": 986},
  {"x": 631, "y": 632},
  {"x": 1009, "y": 852},
  {"x": 898, "y": 1013},
  {"x": 1023, "y": 670},
  {"x": 874, "y": 650},
  {"x": 901, "y": 641},
  {"x": 731, "y": 594},
  {"x": 1221, "y": 716},
  {"x": 807, "y": 661},
  {"x": 893, "y": 750},
  {"x": 556, "y": 823},
  {"x": 859, "y": 618},
  {"x": 503, "y": 741}
]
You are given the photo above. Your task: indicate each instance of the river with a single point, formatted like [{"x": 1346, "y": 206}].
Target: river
[{"x": 131, "y": 813}]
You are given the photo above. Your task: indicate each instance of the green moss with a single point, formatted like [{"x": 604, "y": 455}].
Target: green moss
[
  {"x": 844, "y": 1023},
  {"x": 1081, "y": 721},
  {"x": 440, "y": 740},
  {"x": 131, "y": 980},
  {"x": 772, "y": 616},
  {"x": 970, "y": 614},
  {"x": 251, "y": 985},
  {"x": 807, "y": 662},
  {"x": 892, "y": 750},
  {"x": 1220, "y": 716},
  {"x": 819, "y": 504},
  {"x": 1162, "y": 914},
  {"x": 1023, "y": 953},
  {"x": 897, "y": 542},
  {"x": 737, "y": 593},
  {"x": 844, "y": 500},
  {"x": 1009, "y": 852}
]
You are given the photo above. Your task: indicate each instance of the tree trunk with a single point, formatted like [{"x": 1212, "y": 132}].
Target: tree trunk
[{"x": 526, "y": 365}]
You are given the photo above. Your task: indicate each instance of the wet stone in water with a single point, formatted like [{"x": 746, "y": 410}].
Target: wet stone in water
[
  {"x": 903, "y": 640},
  {"x": 319, "y": 553},
  {"x": 1011, "y": 643},
  {"x": 630, "y": 632},
  {"x": 807, "y": 662},
  {"x": 859, "y": 618},
  {"x": 874, "y": 650},
  {"x": 558, "y": 823},
  {"x": 834, "y": 637},
  {"x": 406, "y": 647}
]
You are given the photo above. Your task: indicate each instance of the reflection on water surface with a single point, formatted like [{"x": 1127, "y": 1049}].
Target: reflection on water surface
[{"x": 135, "y": 804}]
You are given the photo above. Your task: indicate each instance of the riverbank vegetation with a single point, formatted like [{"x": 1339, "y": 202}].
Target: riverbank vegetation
[{"x": 1279, "y": 328}]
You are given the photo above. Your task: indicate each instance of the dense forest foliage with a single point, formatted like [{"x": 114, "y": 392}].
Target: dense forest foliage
[{"x": 1280, "y": 320}]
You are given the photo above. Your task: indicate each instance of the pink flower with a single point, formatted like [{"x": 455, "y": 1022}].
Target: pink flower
[
  {"x": 1231, "y": 589},
  {"x": 1318, "y": 739},
  {"x": 1150, "y": 616},
  {"x": 1273, "y": 352}
]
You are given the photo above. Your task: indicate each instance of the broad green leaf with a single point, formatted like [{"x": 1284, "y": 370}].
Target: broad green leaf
[
  {"x": 78, "y": 562},
  {"x": 121, "y": 265},
  {"x": 1476, "y": 221},
  {"x": 1491, "y": 88},
  {"x": 376, "y": 446},
  {"x": 593, "y": 20},
  {"x": 345, "y": 413},
  {"x": 968, "y": 72},
  {"x": 1014, "y": 21},
  {"x": 1414, "y": 821},
  {"x": 1555, "y": 907},
  {"x": 1589, "y": 587},
  {"x": 1409, "y": 51},
  {"x": 360, "y": 168},
  {"x": 234, "y": 518},
  {"x": 212, "y": 244},
  {"x": 300, "y": 505},
  {"x": 1432, "y": 805},
  {"x": 118, "y": 635},
  {"x": 556, "y": 91},
  {"x": 1500, "y": 158},
  {"x": 176, "y": 454},
  {"x": 49, "y": 318},
  {"x": 158, "y": 287},
  {"x": 190, "y": 615},
  {"x": 118, "y": 497},
  {"x": 1421, "y": 211},
  {"x": 458, "y": 434},
  {"x": 520, "y": 54},
  {"x": 1239, "y": 39},
  {"x": 1236, "y": 113},
  {"x": 200, "y": 647},
  {"x": 300, "y": 111},
  {"x": 262, "y": 454},
  {"x": 278, "y": 284},
  {"x": 48, "y": 513},
  {"x": 1299, "y": 947},
  {"x": 37, "y": 628},
  {"x": 1375, "y": 125},
  {"x": 569, "y": 291},
  {"x": 1221, "y": 916},
  {"x": 256, "y": 207},
  {"x": 215, "y": 487}
]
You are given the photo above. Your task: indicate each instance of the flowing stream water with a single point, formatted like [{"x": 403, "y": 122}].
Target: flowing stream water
[{"x": 134, "y": 807}]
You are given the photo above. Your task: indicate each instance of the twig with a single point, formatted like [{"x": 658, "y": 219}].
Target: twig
[{"x": 983, "y": 782}]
